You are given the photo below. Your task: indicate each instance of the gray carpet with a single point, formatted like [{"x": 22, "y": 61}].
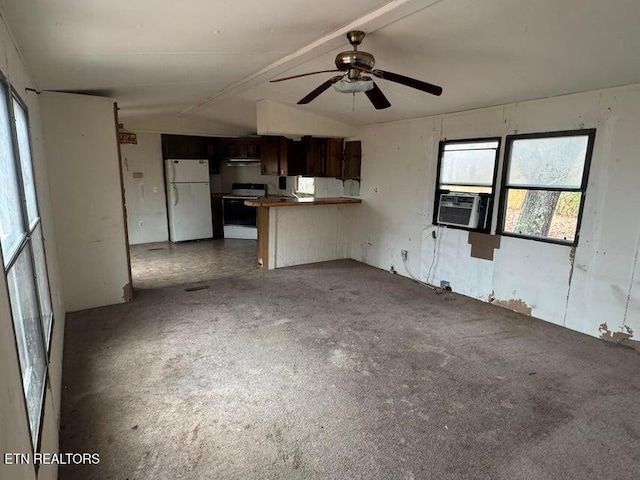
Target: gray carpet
[{"x": 341, "y": 371}]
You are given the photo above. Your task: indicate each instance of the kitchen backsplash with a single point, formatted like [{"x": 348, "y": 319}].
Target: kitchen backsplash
[
  {"x": 324, "y": 187},
  {"x": 334, "y": 187}
]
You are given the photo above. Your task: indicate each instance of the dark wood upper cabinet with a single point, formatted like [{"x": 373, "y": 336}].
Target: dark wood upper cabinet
[
  {"x": 192, "y": 147},
  {"x": 282, "y": 156},
  {"x": 270, "y": 157},
  {"x": 313, "y": 157},
  {"x": 334, "y": 158},
  {"x": 315, "y": 151},
  {"x": 352, "y": 160},
  {"x": 244, "y": 147},
  {"x": 184, "y": 146},
  {"x": 292, "y": 158}
]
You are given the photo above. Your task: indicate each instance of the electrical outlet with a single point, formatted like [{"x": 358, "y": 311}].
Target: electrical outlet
[
  {"x": 403, "y": 253},
  {"x": 141, "y": 223},
  {"x": 393, "y": 270},
  {"x": 434, "y": 234},
  {"x": 444, "y": 284}
]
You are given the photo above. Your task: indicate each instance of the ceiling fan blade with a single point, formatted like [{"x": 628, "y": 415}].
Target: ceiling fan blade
[
  {"x": 319, "y": 90},
  {"x": 302, "y": 75},
  {"x": 409, "y": 82},
  {"x": 376, "y": 97}
]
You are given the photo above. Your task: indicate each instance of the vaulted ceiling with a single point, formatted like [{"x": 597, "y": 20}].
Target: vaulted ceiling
[{"x": 214, "y": 59}]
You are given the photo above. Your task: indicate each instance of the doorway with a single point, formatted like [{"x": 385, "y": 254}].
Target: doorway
[{"x": 153, "y": 219}]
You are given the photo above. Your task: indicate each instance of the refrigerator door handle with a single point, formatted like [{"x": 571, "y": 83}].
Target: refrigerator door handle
[{"x": 175, "y": 194}]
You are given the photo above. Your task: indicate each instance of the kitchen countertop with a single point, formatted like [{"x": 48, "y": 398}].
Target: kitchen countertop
[{"x": 299, "y": 202}]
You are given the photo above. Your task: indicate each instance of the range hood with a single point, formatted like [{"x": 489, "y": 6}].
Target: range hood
[{"x": 243, "y": 162}]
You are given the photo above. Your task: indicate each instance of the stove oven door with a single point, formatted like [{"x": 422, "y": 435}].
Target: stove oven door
[{"x": 235, "y": 212}]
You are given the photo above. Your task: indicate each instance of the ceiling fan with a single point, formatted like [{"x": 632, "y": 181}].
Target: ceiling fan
[{"x": 354, "y": 63}]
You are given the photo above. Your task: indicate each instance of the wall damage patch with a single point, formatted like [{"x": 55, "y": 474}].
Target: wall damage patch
[
  {"x": 616, "y": 337},
  {"x": 514, "y": 304},
  {"x": 483, "y": 245}
]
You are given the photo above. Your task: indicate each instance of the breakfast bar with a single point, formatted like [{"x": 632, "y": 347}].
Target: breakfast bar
[{"x": 308, "y": 230}]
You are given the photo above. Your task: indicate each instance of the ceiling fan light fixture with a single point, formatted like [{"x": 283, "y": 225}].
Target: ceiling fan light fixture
[{"x": 353, "y": 86}]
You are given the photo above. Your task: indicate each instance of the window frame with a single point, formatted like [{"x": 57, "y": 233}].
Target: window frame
[
  {"x": 32, "y": 229},
  {"x": 590, "y": 133},
  {"x": 494, "y": 179},
  {"x": 11, "y": 94}
]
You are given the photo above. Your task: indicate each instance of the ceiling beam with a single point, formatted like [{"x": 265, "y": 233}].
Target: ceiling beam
[{"x": 379, "y": 18}]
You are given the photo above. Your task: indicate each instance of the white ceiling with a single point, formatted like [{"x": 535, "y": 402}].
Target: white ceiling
[{"x": 213, "y": 59}]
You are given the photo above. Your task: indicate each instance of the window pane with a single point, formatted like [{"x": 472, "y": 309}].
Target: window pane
[
  {"x": 11, "y": 227},
  {"x": 26, "y": 321},
  {"x": 543, "y": 213},
  {"x": 306, "y": 185},
  {"x": 468, "y": 167},
  {"x": 548, "y": 162},
  {"x": 42, "y": 282},
  {"x": 22, "y": 129}
]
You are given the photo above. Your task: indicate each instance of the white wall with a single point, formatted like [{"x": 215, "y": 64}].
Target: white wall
[
  {"x": 14, "y": 430},
  {"x": 145, "y": 197},
  {"x": 599, "y": 286},
  {"x": 276, "y": 118},
  {"x": 84, "y": 176},
  {"x": 185, "y": 125}
]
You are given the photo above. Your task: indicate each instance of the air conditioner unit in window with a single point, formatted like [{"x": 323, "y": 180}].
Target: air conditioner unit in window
[{"x": 459, "y": 209}]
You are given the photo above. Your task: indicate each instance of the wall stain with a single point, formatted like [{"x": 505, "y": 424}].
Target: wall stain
[
  {"x": 615, "y": 337},
  {"x": 572, "y": 259},
  {"x": 515, "y": 304}
]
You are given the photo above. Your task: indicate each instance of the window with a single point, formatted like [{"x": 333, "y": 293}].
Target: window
[
  {"x": 544, "y": 181},
  {"x": 305, "y": 185},
  {"x": 468, "y": 166},
  {"x": 22, "y": 246}
]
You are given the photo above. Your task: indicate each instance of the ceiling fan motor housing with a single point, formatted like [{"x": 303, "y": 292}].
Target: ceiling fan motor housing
[{"x": 349, "y": 60}]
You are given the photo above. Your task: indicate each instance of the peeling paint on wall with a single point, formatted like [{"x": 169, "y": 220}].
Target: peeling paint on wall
[
  {"x": 615, "y": 337},
  {"x": 515, "y": 304}
]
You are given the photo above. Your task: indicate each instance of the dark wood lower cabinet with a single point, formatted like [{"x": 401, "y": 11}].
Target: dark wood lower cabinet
[{"x": 216, "y": 215}]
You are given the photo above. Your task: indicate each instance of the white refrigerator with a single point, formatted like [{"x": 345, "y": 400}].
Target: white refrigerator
[{"x": 188, "y": 199}]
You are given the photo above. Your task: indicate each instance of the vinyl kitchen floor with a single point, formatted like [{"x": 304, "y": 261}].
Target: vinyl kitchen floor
[{"x": 163, "y": 264}]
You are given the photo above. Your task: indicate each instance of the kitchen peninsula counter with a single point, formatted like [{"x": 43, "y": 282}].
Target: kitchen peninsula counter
[
  {"x": 298, "y": 234},
  {"x": 298, "y": 202}
]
